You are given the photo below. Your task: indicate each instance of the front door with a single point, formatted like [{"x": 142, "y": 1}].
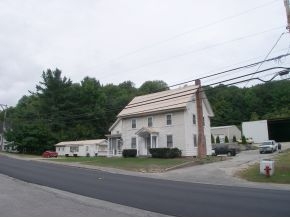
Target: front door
[
  {"x": 154, "y": 141},
  {"x": 148, "y": 144}
]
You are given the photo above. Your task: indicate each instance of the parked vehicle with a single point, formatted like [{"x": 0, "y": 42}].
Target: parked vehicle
[
  {"x": 268, "y": 146},
  {"x": 48, "y": 154},
  {"x": 248, "y": 140},
  {"x": 228, "y": 149}
]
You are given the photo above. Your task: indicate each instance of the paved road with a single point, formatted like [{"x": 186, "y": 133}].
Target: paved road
[{"x": 161, "y": 196}]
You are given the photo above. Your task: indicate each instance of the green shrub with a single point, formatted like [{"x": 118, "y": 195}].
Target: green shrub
[
  {"x": 165, "y": 152},
  {"x": 226, "y": 139},
  {"x": 218, "y": 140},
  {"x": 234, "y": 139},
  {"x": 212, "y": 139},
  {"x": 129, "y": 152},
  {"x": 244, "y": 141}
]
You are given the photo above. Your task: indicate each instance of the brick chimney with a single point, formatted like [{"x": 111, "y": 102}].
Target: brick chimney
[{"x": 201, "y": 145}]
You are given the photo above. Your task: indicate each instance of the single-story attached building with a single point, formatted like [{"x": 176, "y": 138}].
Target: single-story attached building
[
  {"x": 91, "y": 148},
  {"x": 223, "y": 131}
]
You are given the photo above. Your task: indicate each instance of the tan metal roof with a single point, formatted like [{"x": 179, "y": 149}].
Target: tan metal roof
[
  {"x": 161, "y": 101},
  {"x": 84, "y": 142}
]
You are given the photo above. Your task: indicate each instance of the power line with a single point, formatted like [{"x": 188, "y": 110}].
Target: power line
[
  {"x": 190, "y": 31},
  {"x": 189, "y": 81},
  {"x": 223, "y": 68},
  {"x": 173, "y": 97},
  {"x": 191, "y": 52},
  {"x": 185, "y": 82},
  {"x": 164, "y": 107},
  {"x": 270, "y": 51},
  {"x": 194, "y": 89}
]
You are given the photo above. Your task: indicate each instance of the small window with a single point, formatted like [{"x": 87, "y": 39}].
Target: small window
[
  {"x": 150, "y": 121},
  {"x": 133, "y": 143},
  {"x": 87, "y": 148},
  {"x": 168, "y": 119},
  {"x": 134, "y": 123},
  {"x": 194, "y": 140},
  {"x": 169, "y": 140},
  {"x": 193, "y": 119},
  {"x": 62, "y": 148}
]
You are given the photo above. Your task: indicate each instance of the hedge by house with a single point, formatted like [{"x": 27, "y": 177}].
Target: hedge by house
[
  {"x": 129, "y": 152},
  {"x": 165, "y": 152}
]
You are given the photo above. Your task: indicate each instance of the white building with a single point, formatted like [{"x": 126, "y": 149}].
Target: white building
[
  {"x": 223, "y": 131},
  {"x": 257, "y": 130},
  {"x": 163, "y": 119},
  {"x": 91, "y": 148}
]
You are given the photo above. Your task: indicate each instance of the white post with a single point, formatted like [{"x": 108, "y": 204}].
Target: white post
[
  {"x": 137, "y": 145},
  {"x": 156, "y": 141},
  {"x": 109, "y": 146}
]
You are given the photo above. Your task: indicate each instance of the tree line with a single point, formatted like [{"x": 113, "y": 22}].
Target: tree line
[{"x": 60, "y": 110}]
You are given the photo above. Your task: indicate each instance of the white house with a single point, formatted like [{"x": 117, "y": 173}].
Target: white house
[
  {"x": 223, "y": 131},
  {"x": 163, "y": 119},
  {"x": 97, "y": 147}
]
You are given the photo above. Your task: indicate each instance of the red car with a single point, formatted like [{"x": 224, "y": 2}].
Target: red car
[{"x": 48, "y": 154}]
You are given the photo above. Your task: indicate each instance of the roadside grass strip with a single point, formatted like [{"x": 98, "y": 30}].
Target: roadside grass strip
[
  {"x": 139, "y": 164},
  {"x": 281, "y": 172}
]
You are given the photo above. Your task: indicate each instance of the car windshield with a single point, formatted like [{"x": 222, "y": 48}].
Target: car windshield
[{"x": 267, "y": 143}]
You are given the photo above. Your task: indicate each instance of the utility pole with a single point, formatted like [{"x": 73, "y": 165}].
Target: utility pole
[
  {"x": 287, "y": 6},
  {"x": 3, "y": 108},
  {"x": 201, "y": 145}
]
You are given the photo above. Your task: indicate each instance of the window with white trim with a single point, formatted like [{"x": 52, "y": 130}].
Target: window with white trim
[
  {"x": 150, "y": 121},
  {"x": 169, "y": 141},
  {"x": 133, "y": 142},
  {"x": 168, "y": 119},
  {"x": 134, "y": 123}
]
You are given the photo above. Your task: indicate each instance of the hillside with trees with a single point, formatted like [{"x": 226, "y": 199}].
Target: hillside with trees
[
  {"x": 60, "y": 110},
  {"x": 233, "y": 105}
]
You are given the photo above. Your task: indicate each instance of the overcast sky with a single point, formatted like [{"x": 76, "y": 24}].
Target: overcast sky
[{"x": 137, "y": 40}]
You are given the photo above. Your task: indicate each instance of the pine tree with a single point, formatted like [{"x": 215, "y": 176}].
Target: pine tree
[
  {"x": 218, "y": 140},
  {"x": 226, "y": 139},
  {"x": 212, "y": 139}
]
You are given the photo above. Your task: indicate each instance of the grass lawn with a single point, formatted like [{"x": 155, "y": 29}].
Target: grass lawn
[
  {"x": 141, "y": 164},
  {"x": 281, "y": 174}
]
